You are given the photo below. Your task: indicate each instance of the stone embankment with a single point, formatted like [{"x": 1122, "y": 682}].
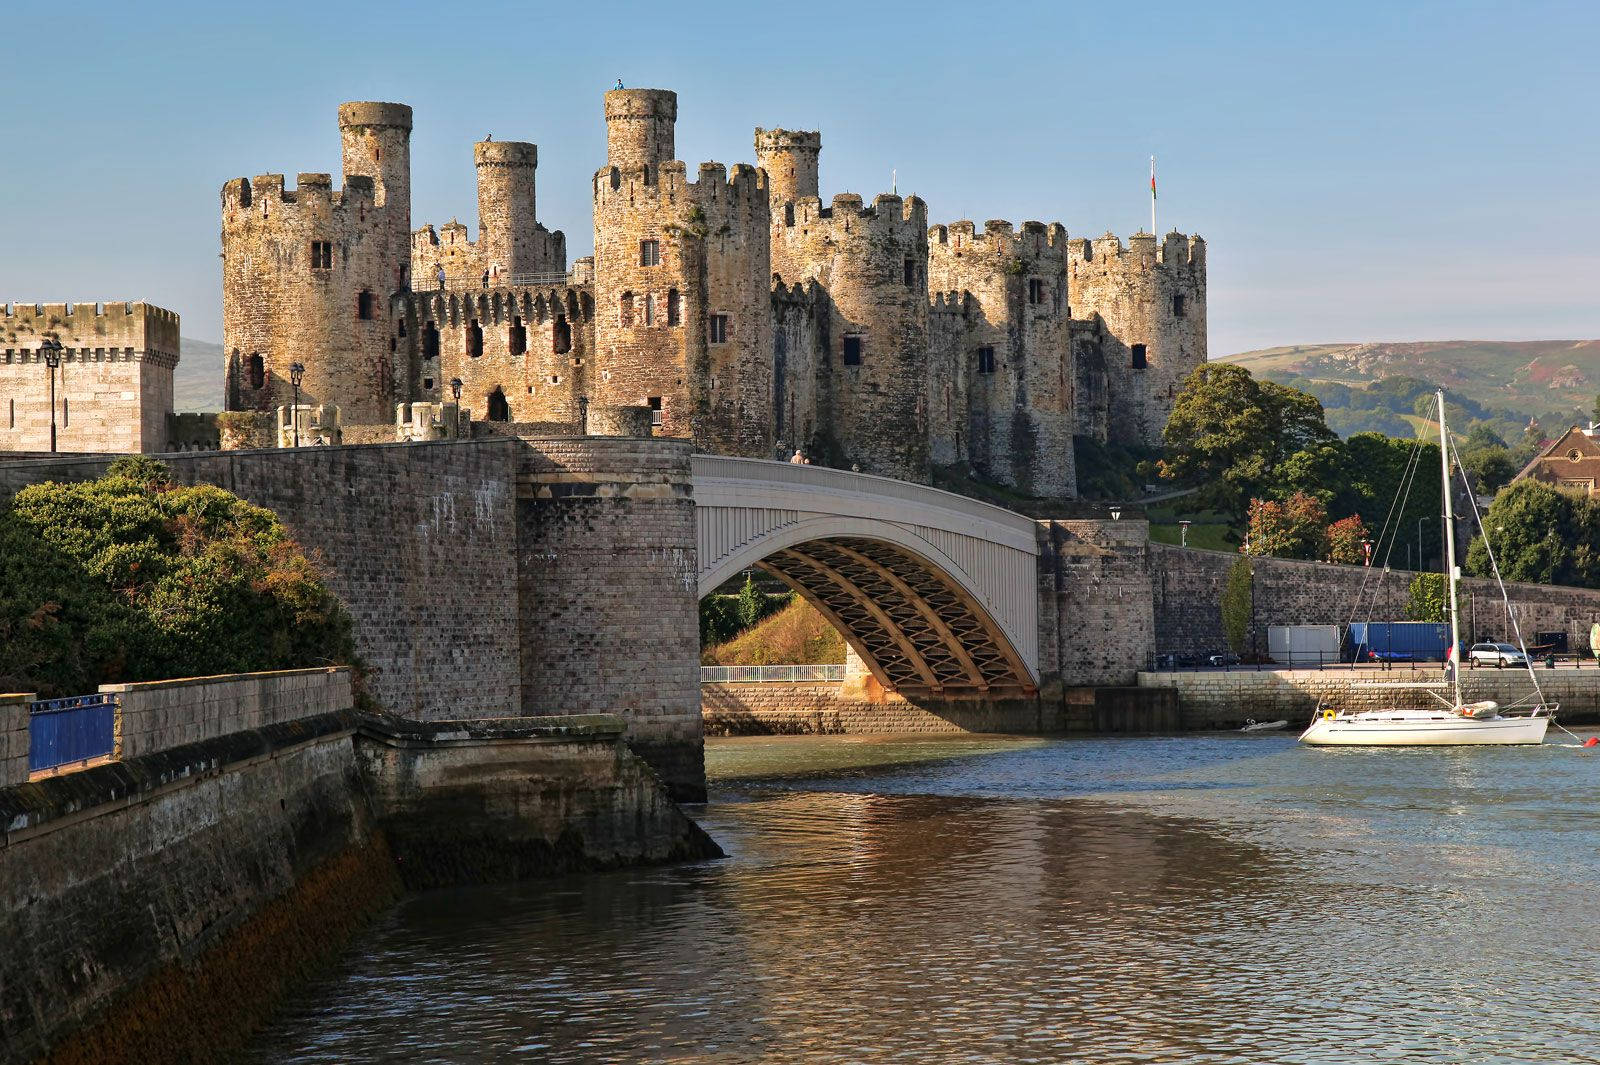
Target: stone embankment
[
  {"x": 154, "y": 908},
  {"x": 1219, "y": 700}
]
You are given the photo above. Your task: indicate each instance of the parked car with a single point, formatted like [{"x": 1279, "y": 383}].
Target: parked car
[
  {"x": 1499, "y": 655},
  {"x": 1226, "y": 658}
]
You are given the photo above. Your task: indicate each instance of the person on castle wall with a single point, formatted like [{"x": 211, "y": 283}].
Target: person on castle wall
[
  {"x": 440, "y": 273},
  {"x": 619, "y": 83},
  {"x": 485, "y": 278}
]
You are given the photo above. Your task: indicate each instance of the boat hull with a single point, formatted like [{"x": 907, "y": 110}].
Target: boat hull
[{"x": 1449, "y": 732}]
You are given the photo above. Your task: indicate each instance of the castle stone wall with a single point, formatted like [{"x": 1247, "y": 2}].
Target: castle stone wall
[
  {"x": 113, "y": 389},
  {"x": 1097, "y": 624}
]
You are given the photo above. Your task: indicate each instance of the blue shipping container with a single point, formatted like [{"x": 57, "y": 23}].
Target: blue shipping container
[{"x": 1397, "y": 641}]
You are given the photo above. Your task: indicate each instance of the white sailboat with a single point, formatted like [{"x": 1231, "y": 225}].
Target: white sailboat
[{"x": 1453, "y": 722}]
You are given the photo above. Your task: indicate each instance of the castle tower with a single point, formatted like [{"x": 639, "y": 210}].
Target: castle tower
[
  {"x": 308, "y": 275},
  {"x": 1012, "y": 368},
  {"x": 683, "y": 311},
  {"x": 507, "y": 226},
  {"x": 375, "y": 142},
  {"x": 1151, "y": 299},
  {"x": 640, "y": 125},
  {"x": 790, "y": 159}
]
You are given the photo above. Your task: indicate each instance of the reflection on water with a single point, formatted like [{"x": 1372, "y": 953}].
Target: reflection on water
[{"x": 1222, "y": 899}]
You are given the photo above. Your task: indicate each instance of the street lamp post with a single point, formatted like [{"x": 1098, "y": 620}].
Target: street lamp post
[
  {"x": 455, "y": 390},
  {"x": 1366, "y": 549},
  {"x": 297, "y": 370},
  {"x": 1183, "y": 532},
  {"x": 50, "y": 347},
  {"x": 1116, "y": 513}
]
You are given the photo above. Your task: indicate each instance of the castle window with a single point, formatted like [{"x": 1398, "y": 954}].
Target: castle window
[
  {"x": 474, "y": 339},
  {"x": 517, "y": 341},
  {"x": 1177, "y": 306},
  {"x": 1035, "y": 290},
  {"x": 911, "y": 272},
  {"x": 649, "y": 309},
  {"x": 655, "y": 409},
  {"x": 393, "y": 344},
  {"x": 852, "y": 349},
  {"x": 402, "y": 324},
  {"x": 430, "y": 341},
  {"x": 674, "y": 310},
  {"x": 499, "y": 409},
  {"x": 258, "y": 371},
  {"x": 625, "y": 310},
  {"x": 66, "y": 415},
  {"x": 788, "y": 214},
  {"x": 1138, "y": 360},
  {"x": 561, "y": 336},
  {"x": 427, "y": 384},
  {"x": 649, "y": 253},
  {"x": 322, "y": 255},
  {"x": 364, "y": 304},
  {"x": 986, "y": 359},
  {"x": 717, "y": 327}
]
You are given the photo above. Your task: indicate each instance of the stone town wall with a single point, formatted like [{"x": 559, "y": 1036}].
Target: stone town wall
[
  {"x": 1013, "y": 286},
  {"x": 763, "y": 709},
  {"x": 14, "y": 737},
  {"x": 609, "y": 603},
  {"x": 158, "y": 715},
  {"x": 1187, "y": 586},
  {"x": 802, "y": 405},
  {"x": 1147, "y": 294},
  {"x": 531, "y": 346},
  {"x": 419, "y": 541},
  {"x": 1212, "y": 699},
  {"x": 114, "y": 384}
]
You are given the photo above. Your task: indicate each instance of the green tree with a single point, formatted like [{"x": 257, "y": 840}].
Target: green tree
[
  {"x": 1230, "y": 435},
  {"x": 1236, "y": 604},
  {"x": 1428, "y": 597},
  {"x": 130, "y": 578},
  {"x": 1490, "y": 465},
  {"x": 1294, "y": 528},
  {"x": 1541, "y": 535},
  {"x": 1375, "y": 471},
  {"x": 752, "y": 604}
]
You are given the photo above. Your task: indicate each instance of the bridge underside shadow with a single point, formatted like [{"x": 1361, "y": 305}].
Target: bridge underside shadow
[{"x": 919, "y": 632}]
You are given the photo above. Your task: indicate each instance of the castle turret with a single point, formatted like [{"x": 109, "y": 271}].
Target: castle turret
[
  {"x": 507, "y": 221},
  {"x": 1151, "y": 299},
  {"x": 308, "y": 275},
  {"x": 640, "y": 126},
  {"x": 375, "y": 140},
  {"x": 683, "y": 318},
  {"x": 790, "y": 159},
  {"x": 1010, "y": 381}
]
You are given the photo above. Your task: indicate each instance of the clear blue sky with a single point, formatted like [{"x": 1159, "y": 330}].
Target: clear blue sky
[{"x": 1361, "y": 171}]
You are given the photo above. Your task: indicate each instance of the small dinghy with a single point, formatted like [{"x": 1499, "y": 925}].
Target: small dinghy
[{"x": 1252, "y": 725}]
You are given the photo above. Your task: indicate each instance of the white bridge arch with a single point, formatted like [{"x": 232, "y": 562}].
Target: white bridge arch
[{"x": 936, "y": 592}]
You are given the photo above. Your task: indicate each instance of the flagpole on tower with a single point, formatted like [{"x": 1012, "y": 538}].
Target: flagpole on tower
[{"x": 1153, "y": 196}]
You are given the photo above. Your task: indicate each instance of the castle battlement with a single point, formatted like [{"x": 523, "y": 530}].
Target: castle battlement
[
  {"x": 999, "y": 238},
  {"x": 268, "y": 194},
  {"x": 1175, "y": 251},
  {"x": 715, "y": 189},
  {"x": 534, "y": 304}
]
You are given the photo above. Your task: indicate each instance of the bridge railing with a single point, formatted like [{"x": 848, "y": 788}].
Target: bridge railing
[
  {"x": 74, "y": 729},
  {"x": 770, "y": 674}
]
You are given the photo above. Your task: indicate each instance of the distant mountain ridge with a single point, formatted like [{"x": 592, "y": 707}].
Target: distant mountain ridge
[
  {"x": 197, "y": 385},
  {"x": 1553, "y": 380}
]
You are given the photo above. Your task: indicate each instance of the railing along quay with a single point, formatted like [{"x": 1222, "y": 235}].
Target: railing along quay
[
  {"x": 74, "y": 729},
  {"x": 769, "y": 674}
]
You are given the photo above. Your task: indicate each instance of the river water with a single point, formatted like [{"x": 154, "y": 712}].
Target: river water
[{"x": 973, "y": 899}]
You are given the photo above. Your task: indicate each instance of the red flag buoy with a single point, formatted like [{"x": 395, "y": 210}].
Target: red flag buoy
[{"x": 1592, "y": 741}]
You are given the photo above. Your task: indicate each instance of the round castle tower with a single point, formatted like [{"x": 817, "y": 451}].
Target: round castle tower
[
  {"x": 1152, "y": 300},
  {"x": 308, "y": 274},
  {"x": 683, "y": 320},
  {"x": 790, "y": 159},
  {"x": 506, "y": 206}
]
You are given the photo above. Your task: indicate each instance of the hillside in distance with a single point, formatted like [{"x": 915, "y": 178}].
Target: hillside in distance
[
  {"x": 197, "y": 384},
  {"x": 1552, "y": 380}
]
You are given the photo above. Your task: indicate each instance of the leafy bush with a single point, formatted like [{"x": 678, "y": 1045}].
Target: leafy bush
[
  {"x": 1429, "y": 597},
  {"x": 131, "y": 578},
  {"x": 723, "y": 617},
  {"x": 1238, "y": 604}
]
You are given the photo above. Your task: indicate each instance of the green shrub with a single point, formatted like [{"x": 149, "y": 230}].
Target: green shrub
[
  {"x": 131, "y": 578},
  {"x": 1237, "y": 604}
]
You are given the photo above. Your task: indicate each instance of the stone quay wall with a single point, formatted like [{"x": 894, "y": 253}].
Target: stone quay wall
[
  {"x": 1219, "y": 700},
  {"x": 419, "y": 540},
  {"x": 157, "y": 715},
  {"x": 14, "y": 737},
  {"x": 1096, "y": 623},
  {"x": 764, "y": 709},
  {"x": 1186, "y": 585}
]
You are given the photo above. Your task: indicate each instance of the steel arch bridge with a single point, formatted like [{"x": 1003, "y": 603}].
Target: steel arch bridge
[{"x": 936, "y": 592}]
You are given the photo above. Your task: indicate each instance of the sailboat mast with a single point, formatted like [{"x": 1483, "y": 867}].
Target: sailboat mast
[{"x": 1450, "y": 550}]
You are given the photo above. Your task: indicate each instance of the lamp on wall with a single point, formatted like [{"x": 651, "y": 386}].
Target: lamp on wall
[
  {"x": 297, "y": 370},
  {"x": 1116, "y": 513},
  {"x": 455, "y": 389},
  {"x": 51, "y": 349},
  {"x": 1183, "y": 532}
]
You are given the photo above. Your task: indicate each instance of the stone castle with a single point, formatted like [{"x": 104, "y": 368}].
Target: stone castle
[{"x": 738, "y": 307}]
